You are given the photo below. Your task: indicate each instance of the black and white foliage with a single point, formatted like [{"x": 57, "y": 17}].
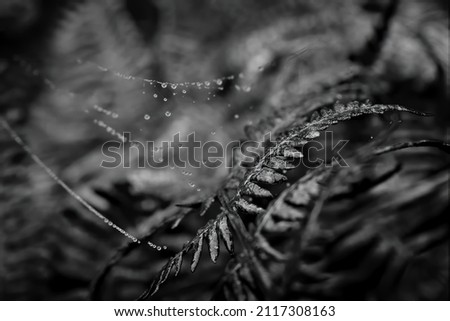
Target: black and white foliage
[{"x": 370, "y": 224}]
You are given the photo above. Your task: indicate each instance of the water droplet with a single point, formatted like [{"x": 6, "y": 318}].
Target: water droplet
[
  {"x": 247, "y": 89},
  {"x": 173, "y": 86},
  {"x": 155, "y": 96},
  {"x": 158, "y": 248},
  {"x": 371, "y": 137},
  {"x": 143, "y": 92},
  {"x": 219, "y": 82},
  {"x": 164, "y": 85},
  {"x": 207, "y": 83},
  {"x": 236, "y": 116},
  {"x": 165, "y": 99},
  {"x": 183, "y": 91},
  {"x": 191, "y": 184},
  {"x": 313, "y": 135},
  {"x": 168, "y": 114},
  {"x": 147, "y": 117},
  {"x": 213, "y": 133},
  {"x": 199, "y": 189}
]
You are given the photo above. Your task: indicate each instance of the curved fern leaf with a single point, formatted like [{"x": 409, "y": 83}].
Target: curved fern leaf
[
  {"x": 208, "y": 232},
  {"x": 268, "y": 167},
  {"x": 293, "y": 205},
  {"x": 213, "y": 243},
  {"x": 198, "y": 247},
  {"x": 227, "y": 237}
]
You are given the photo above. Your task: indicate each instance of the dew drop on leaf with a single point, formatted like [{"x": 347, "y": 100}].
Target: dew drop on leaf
[
  {"x": 313, "y": 134},
  {"x": 168, "y": 114}
]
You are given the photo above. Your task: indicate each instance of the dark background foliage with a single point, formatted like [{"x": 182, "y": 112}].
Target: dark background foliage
[{"x": 376, "y": 230}]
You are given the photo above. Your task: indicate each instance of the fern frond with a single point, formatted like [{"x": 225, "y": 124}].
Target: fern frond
[
  {"x": 368, "y": 247},
  {"x": 210, "y": 234},
  {"x": 278, "y": 159},
  {"x": 240, "y": 282},
  {"x": 293, "y": 205},
  {"x": 445, "y": 147}
]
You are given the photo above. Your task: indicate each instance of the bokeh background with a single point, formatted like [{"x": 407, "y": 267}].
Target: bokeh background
[{"x": 73, "y": 74}]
